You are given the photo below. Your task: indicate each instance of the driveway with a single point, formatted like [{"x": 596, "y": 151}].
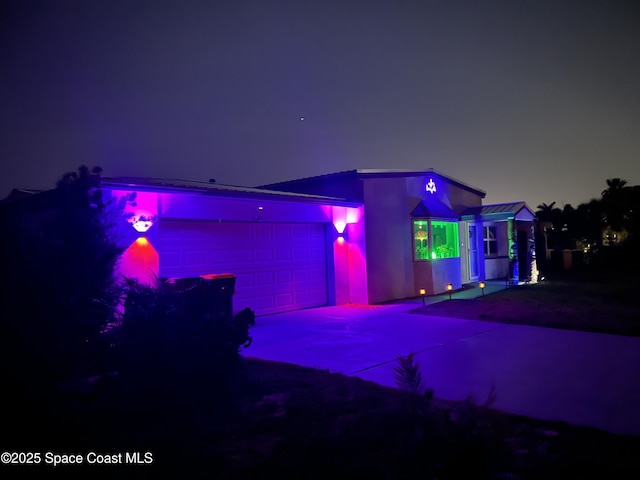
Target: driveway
[{"x": 582, "y": 378}]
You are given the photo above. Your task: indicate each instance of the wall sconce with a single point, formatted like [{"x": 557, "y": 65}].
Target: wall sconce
[
  {"x": 142, "y": 223},
  {"x": 423, "y": 292},
  {"x": 482, "y": 285},
  {"x": 449, "y": 289},
  {"x": 340, "y": 226}
]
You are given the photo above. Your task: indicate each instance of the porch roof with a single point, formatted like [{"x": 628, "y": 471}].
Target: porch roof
[
  {"x": 431, "y": 208},
  {"x": 499, "y": 211}
]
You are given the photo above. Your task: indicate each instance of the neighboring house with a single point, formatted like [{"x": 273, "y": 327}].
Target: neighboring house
[
  {"x": 612, "y": 237},
  {"x": 361, "y": 236}
]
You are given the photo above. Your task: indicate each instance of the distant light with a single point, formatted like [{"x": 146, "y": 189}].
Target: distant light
[{"x": 302, "y": 119}]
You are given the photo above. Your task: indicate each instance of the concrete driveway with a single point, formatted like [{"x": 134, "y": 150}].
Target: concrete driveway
[{"x": 582, "y": 378}]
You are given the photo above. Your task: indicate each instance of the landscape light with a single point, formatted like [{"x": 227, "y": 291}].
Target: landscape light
[
  {"x": 423, "y": 292},
  {"x": 482, "y": 285},
  {"x": 449, "y": 289}
]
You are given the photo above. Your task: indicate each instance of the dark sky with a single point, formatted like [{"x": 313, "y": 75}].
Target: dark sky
[{"x": 528, "y": 100}]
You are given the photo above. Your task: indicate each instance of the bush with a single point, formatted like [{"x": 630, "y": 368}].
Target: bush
[
  {"x": 59, "y": 295},
  {"x": 177, "y": 341}
]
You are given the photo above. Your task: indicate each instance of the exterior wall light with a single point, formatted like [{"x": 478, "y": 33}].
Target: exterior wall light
[
  {"x": 449, "y": 289},
  {"x": 482, "y": 285},
  {"x": 142, "y": 223}
]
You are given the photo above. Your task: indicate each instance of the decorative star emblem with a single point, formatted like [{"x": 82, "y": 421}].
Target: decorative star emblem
[{"x": 431, "y": 186}]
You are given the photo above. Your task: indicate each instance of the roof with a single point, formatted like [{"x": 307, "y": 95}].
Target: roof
[
  {"x": 378, "y": 172},
  {"x": 18, "y": 193},
  {"x": 499, "y": 209},
  {"x": 171, "y": 184},
  {"x": 431, "y": 208}
]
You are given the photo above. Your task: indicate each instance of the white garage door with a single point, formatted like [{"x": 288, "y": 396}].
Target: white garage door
[{"x": 278, "y": 267}]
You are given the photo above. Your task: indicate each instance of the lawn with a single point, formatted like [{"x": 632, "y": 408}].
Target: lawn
[
  {"x": 287, "y": 421},
  {"x": 604, "y": 304}
]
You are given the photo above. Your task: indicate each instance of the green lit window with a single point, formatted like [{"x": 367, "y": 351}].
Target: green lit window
[
  {"x": 445, "y": 239},
  {"x": 443, "y": 243},
  {"x": 421, "y": 239}
]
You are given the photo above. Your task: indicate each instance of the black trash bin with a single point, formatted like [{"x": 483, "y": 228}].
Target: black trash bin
[{"x": 212, "y": 293}]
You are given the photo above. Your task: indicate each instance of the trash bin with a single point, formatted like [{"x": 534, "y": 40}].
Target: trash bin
[{"x": 212, "y": 293}]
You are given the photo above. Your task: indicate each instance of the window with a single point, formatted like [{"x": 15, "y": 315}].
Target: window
[
  {"x": 490, "y": 242},
  {"x": 421, "y": 239},
  {"x": 444, "y": 241}
]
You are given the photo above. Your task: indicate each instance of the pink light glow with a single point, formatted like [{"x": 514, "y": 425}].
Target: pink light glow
[
  {"x": 140, "y": 261},
  {"x": 353, "y": 214}
]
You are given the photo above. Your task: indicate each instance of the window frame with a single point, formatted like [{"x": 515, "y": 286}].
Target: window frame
[
  {"x": 431, "y": 250},
  {"x": 415, "y": 240},
  {"x": 487, "y": 241}
]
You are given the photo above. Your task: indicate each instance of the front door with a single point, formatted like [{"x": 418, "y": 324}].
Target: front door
[
  {"x": 473, "y": 252},
  {"x": 468, "y": 252}
]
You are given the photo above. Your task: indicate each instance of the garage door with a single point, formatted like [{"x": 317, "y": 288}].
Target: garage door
[{"x": 278, "y": 267}]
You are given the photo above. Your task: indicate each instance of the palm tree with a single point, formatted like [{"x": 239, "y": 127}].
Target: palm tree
[
  {"x": 546, "y": 216},
  {"x": 615, "y": 203},
  {"x": 614, "y": 185}
]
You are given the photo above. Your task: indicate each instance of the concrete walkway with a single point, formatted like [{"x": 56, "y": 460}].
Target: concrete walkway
[{"x": 582, "y": 378}]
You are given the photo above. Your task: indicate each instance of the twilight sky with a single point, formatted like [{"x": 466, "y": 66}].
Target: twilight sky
[{"x": 529, "y": 100}]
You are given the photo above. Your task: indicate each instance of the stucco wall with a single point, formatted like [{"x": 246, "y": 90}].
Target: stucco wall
[
  {"x": 389, "y": 243},
  {"x": 452, "y": 195},
  {"x": 498, "y": 267},
  {"x": 201, "y": 207}
]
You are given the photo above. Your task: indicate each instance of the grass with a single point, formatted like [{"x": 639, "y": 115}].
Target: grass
[
  {"x": 287, "y": 421},
  {"x": 603, "y": 304}
]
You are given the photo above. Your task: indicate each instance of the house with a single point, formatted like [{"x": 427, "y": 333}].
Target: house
[
  {"x": 426, "y": 230},
  {"x": 360, "y": 236}
]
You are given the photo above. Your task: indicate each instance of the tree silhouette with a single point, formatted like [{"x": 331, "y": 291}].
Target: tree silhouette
[
  {"x": 59, "y": 292},
  {"x": 616, "y": 200},
  {"x": 614, "y": 185}
]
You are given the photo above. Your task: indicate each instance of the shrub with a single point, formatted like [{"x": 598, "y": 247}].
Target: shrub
[
  {"x": 179, "y": 342},
  {"x": 407, "y": 373},
  {"x": 59, "y": 296}
]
